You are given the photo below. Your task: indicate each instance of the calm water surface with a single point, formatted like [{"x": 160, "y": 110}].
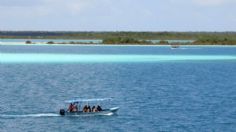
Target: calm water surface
[{"x": 171, "y": 95}]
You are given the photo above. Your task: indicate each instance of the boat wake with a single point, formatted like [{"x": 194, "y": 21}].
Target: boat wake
[
  {"x": 30, "y": 115},
  {"x": 43, "y": 115}
]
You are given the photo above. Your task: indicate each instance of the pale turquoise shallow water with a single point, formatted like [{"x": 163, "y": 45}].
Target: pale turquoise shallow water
[
  {"x": 47, "y": 40},
  {"x": 97, "y": 58},
  {"x": 192, "y": 88}
]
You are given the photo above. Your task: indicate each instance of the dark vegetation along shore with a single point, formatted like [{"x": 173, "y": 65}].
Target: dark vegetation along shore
[{"x": 199, "y": 38}]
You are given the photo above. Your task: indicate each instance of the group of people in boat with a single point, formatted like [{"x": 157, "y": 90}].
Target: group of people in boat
[
  {"x": 87, "y": 108},
  {"x": 94, "y": 109}
]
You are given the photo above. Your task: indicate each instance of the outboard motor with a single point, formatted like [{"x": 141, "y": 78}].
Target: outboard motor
[{"x": 62, "y": 112}]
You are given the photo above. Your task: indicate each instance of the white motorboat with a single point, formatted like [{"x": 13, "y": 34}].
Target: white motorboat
[{"x": 75, "y": 105}]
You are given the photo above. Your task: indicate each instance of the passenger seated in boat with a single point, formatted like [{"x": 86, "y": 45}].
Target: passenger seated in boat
[
  {"x": 85, "y": 108},
  {"x": 89, "y": 109},
  {"x": 74, "y": 108},
  {"x": 99, "y": 108},
  {"x": 70, "y": 109},
  {"x": 94, "y": 109}
]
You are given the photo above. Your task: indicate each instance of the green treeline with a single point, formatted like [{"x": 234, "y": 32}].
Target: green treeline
[
  {"x": 124, "y": 40},
  {"x": 216, "y": 40},
  {"x": 103, "y": 35},
  {"x": 200, "y": 41},
  {"x": 128, "y": 37}
]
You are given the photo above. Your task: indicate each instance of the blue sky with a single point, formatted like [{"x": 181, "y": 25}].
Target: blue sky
[{"x": 118, "y": 15}]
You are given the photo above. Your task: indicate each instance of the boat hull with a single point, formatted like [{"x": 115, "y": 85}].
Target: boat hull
[{"x": 110, "y": 111}]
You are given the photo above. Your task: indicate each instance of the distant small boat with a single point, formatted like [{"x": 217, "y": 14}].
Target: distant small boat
[
  {"x": 175, "y": 46},
  {"x": 88, "y": 112}
]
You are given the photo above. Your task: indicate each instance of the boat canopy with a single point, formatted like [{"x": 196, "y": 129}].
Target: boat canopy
[{"x": 87, "y": 100}]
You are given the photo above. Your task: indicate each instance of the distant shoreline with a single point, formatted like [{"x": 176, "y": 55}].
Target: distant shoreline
[
  {"x": 119, "y": 41},
  {"x": 124, "y": 38},
  {"x": 156, "y": 45}
]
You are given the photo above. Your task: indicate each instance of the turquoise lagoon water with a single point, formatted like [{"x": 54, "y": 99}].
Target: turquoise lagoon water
[
  {"x": 47, "y": 40},
  {"x": 191, "y": 88},
  {"x": 97, "y": 58}
]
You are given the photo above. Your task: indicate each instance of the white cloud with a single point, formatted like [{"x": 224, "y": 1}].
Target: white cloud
[
  {"x": 41, "y": 8},
  {"x": 213, "y": 2},
  {"x": 117, "y": 14},
  {"x": 202, "y": 2},
  {"x": 20, "y": 3},
  {"x": 66, "y": 5}
]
